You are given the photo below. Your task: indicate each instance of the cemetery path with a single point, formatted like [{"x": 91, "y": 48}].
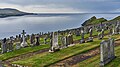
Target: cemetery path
[
  {"x": 71, "y": 61},
  {"x": 8, "y": 62}
]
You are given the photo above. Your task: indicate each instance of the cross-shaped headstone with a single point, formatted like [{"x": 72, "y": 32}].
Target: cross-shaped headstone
[{"x": 24, "y": 43}]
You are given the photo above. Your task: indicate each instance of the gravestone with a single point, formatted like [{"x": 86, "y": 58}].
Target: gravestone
[
  {"x": 110, "y": 31},
  {"x": 77, "y": 33},
  {"x": 18, "y": 46},
  {"x": 4, "y": 46},
  {"x": 54, "y": 45},
  {"x": 32, "y": 40},
  {"x": 117, "y": 28},
  {"x": 24, "y": 43},
  {"x": 10, "y": 45},
  {"x": 90, "y": 39},
  {"x": 69, "y": 39},
  {"x": 1, "y": 64},
  {"x": 106, "y": 51},
  {"x": 82, "y": 37},
  {"x": 45, "y": 40},
  {"x": 37, "y": 40},
  {"x": 63, "y": 41},
  {"x": 101, "y": 34}
]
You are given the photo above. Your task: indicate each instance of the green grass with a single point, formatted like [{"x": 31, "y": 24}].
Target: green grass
[
  {"x": 22, "y": 51},
  {"x": 40, "y": 61},
  {"x": 94, "y": 61}
]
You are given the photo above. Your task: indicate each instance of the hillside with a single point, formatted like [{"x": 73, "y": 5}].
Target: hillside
[
  {"x": 93, "y": 20},
  {"x": 6, "y": 12}
]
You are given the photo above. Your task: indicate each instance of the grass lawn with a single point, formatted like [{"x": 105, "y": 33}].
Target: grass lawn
[
  {"x": 94, "y": 61},
  {"x": 22, "y": 51},
  {"x": 32, "y": 49},
  {"x": 40, "y": 60}
]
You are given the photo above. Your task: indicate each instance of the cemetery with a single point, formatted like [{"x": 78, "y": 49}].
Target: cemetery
[{"x": 90, "y": 46}]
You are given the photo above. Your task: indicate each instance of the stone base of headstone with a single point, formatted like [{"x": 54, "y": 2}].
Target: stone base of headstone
[
  {"x": 90, "y": 39},
  {"x": 82, "y": 41},
  {"x": 71, "y": 45},
  {"x": 102, "y": 64},
  {"x": 53, "y": 50},
  {"x": 24, "y": 44}
]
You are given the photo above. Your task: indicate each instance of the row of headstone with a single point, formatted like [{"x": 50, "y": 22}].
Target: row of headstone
[
  {"x": 90, "y": 38},
  {"x": 65, "y": 41},
  {"x": 106, "y": 51},
  {"x": 7, "y": 44}
]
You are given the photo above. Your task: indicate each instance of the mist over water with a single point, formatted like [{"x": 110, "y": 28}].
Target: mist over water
[{"x": 12, "y": 26}]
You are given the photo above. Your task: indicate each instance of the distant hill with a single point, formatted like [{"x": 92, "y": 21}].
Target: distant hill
[
  {"x": 93, "y": 20},
  {"x": 6, "y": 12}
]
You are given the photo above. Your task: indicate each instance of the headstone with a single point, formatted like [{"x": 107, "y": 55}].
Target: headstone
[
  {"x": 1, "y": 64},
  {"x": 82, "y": 37},
  {"x": 77, "y": 33},
  {"x": 63, "y": 41},
  {"x": 90, "y": 37},
  {"x": 45, "y": 40},
  {"x": 69, "y": 39},
  {"x": 117, "y": 28},
  {"x": 4, "y": 46},
  {"x": 32, "y": 40},
  {"x": 10, "y": 47},
  {"x": 110, "y": 31},
  {"x": 101, "y": 34},
  {"x": 17, "y": 45},
  {"x": 106, "y": 51},
  {"x": 24, "y": 43},
  {"x": 54, "y": 45},
  {"x": 37, "y": 40}
]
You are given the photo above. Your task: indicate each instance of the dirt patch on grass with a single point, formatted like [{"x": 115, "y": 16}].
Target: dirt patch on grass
[{"x": 69, "y": 62}]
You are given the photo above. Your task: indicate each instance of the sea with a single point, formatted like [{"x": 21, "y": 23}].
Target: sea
[{"x": 12, "y": 26}]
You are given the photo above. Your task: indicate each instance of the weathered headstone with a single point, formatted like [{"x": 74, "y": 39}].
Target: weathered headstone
[
  {"x": 17, "y": 45},
  {"x": 117, "y": 28},
  {"x": 90, "y": 37},
  {"x": 77, "y": 32},
  {"x": 63, "y": 40},
  {"x": 45, "y": 40},
  {"x": 106, "y": 51},
  {"x": 4, "y": 46},
  {"x": 37, "y": 40},
  {"x": 32, "y": 40},
  {"x": 101, "y": 34},
  {"x": 24, "y": 43},
  {"x": 10, "y": 45},
  {"x": 82, "y": 37},
  {"x": 54, "y": 45},
  {"x": 69, "y": 39}
]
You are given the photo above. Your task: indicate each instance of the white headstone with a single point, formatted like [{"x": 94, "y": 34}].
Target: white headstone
[{"x": 24, "y": 43}]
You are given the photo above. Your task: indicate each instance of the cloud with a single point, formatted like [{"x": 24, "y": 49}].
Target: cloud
[
  {"x": 58, "y": 6},
  {"x": 41, "y": 8}
]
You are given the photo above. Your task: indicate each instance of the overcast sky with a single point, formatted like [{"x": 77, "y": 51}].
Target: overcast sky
[{"x": 58, "y": 6}]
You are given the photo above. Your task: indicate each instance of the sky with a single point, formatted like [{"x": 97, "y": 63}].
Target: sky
[{"x": 63, "y": 6}]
